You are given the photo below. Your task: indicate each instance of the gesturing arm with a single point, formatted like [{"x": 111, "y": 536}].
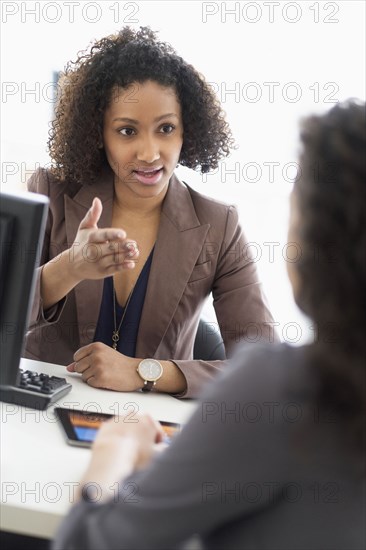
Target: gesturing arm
[
  {"x": 115, "y": 252},
  {"x": 61, "y": 272}
]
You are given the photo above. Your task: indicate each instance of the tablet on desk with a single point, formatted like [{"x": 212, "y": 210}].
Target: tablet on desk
[{"x": 81, "y": 427}]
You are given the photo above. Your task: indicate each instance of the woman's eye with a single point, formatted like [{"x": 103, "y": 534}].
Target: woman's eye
[
  {"x": 167, "y": 128},
  {"x": 127, "y": 131}
]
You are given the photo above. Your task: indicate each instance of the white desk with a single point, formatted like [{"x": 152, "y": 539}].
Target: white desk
[{"x": 39, "y": 470}]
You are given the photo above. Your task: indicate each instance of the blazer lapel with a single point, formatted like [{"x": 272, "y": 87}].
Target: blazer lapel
[
  {"x": 88, "y": 294},
  {"x": 179, "y": 244}
]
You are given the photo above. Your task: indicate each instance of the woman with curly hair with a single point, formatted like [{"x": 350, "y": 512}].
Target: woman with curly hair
[
  {"x": 274, "y": 457},
  {"x": 131, "y": 253}
]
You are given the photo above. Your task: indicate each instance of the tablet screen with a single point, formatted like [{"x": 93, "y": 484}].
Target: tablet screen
[
  {"x": 86, "y": 426},
  {"x": 81, "y": 427}
]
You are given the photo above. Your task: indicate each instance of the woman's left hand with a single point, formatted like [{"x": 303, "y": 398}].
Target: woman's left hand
[{"x": 103, "y": 367}]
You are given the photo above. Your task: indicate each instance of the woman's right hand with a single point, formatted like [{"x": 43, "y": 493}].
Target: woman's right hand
[
  {"x": 98, "y": 253},
  {"x": 123, "y": 444},
  {"x": 95, "y": 254}
]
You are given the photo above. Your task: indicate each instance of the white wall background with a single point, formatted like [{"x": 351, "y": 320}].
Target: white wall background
[{"x": 271, "y": 62}]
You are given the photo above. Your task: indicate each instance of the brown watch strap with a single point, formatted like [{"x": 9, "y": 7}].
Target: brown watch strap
[{"x": 148, "y": 386}]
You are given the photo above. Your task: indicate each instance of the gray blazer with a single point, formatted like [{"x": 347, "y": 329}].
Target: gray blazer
[
  {"x": 200, "y": 249},
  {"x": 259, "y": 466}
]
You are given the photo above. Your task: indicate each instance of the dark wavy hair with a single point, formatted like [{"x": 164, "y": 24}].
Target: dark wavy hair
[
  {"x": 75, "y": 137},
  {"x": 330, "y": 196}
]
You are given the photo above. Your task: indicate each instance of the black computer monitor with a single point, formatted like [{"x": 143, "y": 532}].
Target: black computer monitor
[{"x": 22, "y": 226}]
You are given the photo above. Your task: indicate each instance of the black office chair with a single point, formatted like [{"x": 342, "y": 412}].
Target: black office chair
[{"x": 208, "y": 344}]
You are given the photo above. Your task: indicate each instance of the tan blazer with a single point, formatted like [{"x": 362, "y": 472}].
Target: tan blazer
[{"x": 200, "y": 249}]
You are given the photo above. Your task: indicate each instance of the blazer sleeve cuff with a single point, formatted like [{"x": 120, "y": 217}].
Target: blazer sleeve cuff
[
  {"x": 39, "y": 316},
  {"x": 198, "y": 375}
]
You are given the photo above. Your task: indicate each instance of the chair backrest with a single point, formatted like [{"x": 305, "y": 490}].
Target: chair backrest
[{"x": 208, "y": 344}]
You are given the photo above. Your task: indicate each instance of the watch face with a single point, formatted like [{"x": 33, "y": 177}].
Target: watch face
[{"x": 150, "y": 369}]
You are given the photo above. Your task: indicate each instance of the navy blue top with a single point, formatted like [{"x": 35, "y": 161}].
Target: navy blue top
[{"x": 130, "y": 325}]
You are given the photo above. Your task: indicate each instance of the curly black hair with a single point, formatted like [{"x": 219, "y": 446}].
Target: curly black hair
[
  {"x": 119, "y": 60},
  {"x": 330, "y": 197}
]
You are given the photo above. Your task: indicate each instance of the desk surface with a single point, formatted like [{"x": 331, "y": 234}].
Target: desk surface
[{"x": 39, "y": 470}]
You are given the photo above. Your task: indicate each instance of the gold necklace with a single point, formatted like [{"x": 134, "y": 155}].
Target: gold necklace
[{"x": 115, "y": 333}]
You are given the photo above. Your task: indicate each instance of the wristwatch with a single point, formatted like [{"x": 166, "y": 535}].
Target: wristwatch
[{"x": 150, "y": 371}]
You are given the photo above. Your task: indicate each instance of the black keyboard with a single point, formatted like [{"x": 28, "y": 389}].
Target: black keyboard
[{"x": 35, "y": 390}]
